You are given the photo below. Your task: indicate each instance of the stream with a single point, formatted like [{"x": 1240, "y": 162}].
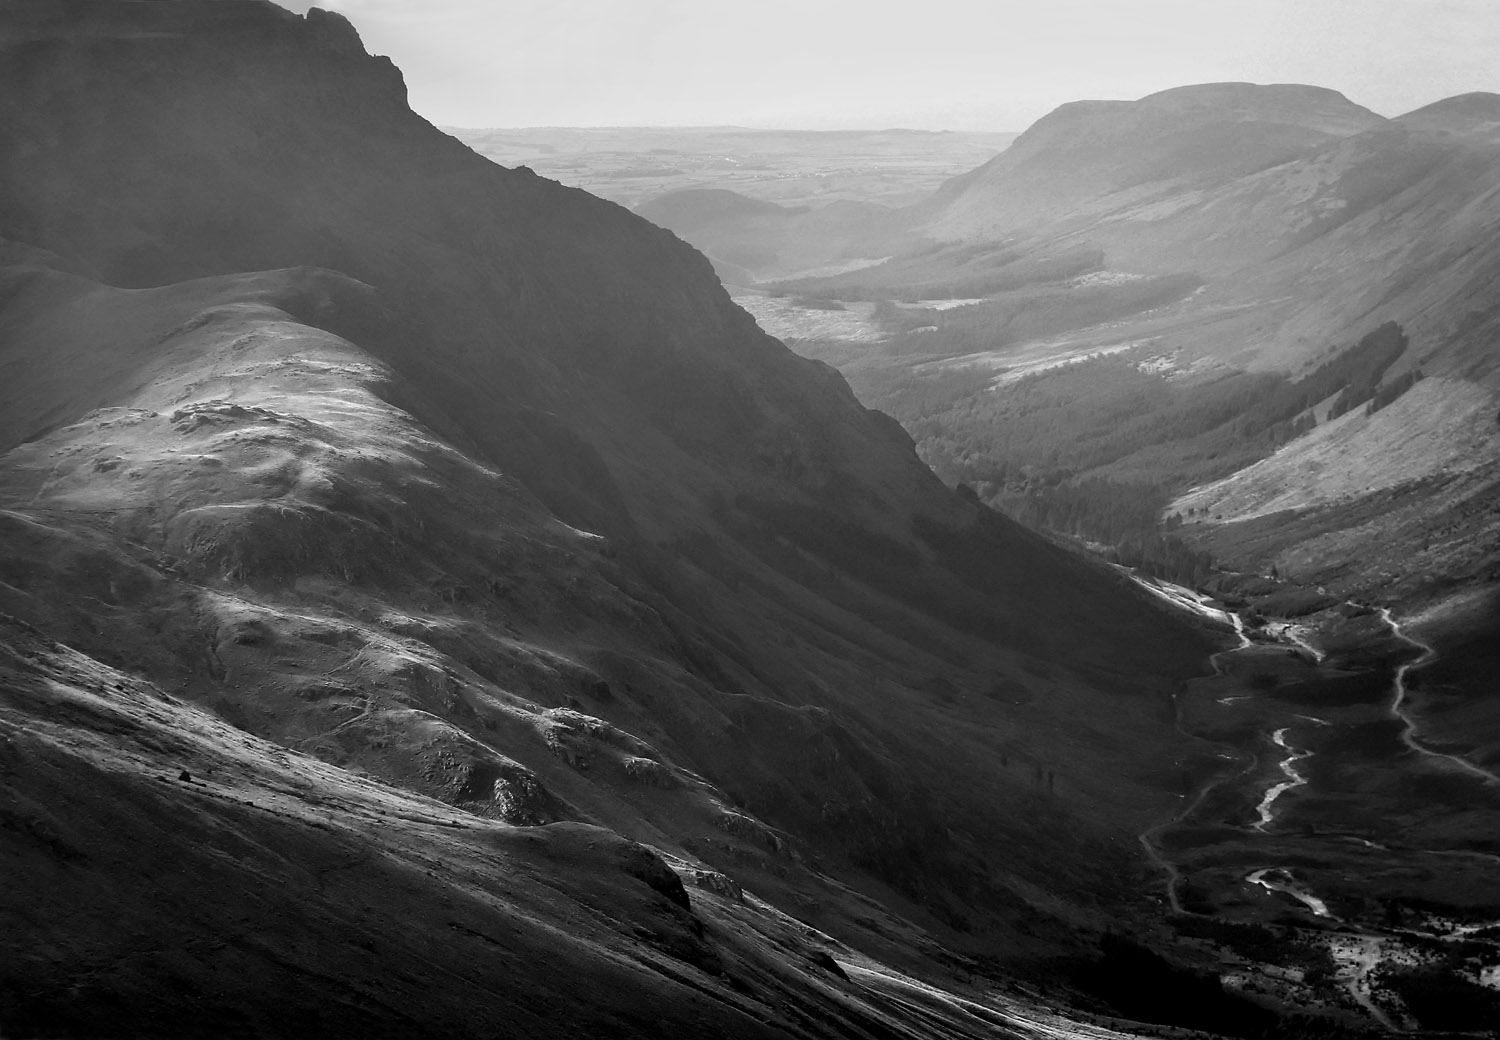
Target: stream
[
  {"x": 1362, "y": 747},
  {"x": 1266, "y": 810}
]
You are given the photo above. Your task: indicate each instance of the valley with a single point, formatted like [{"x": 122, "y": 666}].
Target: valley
[
  {"x": 1283, "y": 346},
  {"x": 758, "y": 583}
]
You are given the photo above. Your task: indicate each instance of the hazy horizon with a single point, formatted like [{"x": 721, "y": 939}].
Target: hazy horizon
[{"x": 948, "y": 65}]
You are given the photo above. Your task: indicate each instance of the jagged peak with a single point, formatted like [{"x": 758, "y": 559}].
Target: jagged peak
[{"x": 334, "y": 30}]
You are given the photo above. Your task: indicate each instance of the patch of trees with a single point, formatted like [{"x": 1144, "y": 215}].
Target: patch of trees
[
  {"x": 818, "y": 303},
  {"x": 1163, "y": 556},
  {"x": 1081, "y": 417},
  {"x": 1122, "y": 517},
  {"x": 1388, "y": 392},
  {"x": 1441, "y": 997},
  {"x": 1092, "y": 508},
  {"x": 1095, "y": 449},
  {"x": 1353, "y": 375},
  {"x": 1141, "y": 984},
  {"x": 1103, "y": 412},
  {"x": 1357, "y": 372}
]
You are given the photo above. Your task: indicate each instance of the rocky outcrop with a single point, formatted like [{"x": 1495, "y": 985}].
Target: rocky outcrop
[{"x": 720, "y": 884}]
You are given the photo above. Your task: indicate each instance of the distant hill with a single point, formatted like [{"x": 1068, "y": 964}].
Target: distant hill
[
  {"x": 1088, "y": 157},
  {"x": 692, "y": 208}
]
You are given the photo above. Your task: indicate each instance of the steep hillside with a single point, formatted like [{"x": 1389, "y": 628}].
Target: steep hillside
[
  {"x": 447, "y": 476},
  {"x": 1405, "y": 501},
  {"x": 191, "y": 879}
]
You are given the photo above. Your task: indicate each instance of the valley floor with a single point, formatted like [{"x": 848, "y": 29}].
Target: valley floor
[{"x": 1331, "y": 854}]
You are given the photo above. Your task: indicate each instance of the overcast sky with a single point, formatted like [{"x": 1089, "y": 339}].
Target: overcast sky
[{"x": 938, "y": 64}]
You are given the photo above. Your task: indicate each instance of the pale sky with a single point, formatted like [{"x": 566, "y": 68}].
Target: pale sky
[{"x": 936, "y": 64}]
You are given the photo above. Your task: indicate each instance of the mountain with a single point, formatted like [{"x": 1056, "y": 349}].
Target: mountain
[
  {"x": 435, "y": 607},
  {"x": 1089, "y": 157}
]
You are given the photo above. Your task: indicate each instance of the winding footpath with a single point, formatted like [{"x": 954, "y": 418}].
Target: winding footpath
[
  {"x": 1398, "y": 699},
  {"x": 1357, "y": 956},
  {"x": 1148, "y": 837}
]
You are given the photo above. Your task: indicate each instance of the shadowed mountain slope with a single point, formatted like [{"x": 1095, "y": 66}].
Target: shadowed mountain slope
[{"x": 445, "y": 475}]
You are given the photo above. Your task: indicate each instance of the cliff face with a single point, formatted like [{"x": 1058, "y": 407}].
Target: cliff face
[{"x": 450, "y": 476}]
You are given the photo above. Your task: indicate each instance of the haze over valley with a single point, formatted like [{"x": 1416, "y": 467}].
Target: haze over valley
[{"x": 732, "y": 581}]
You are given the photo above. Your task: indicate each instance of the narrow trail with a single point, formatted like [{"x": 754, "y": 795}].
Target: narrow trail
[
  {"x": 1357, "y": 957},
  {"x": 1147, "y": 838},
  {"x": 1398, "y": 699}
]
